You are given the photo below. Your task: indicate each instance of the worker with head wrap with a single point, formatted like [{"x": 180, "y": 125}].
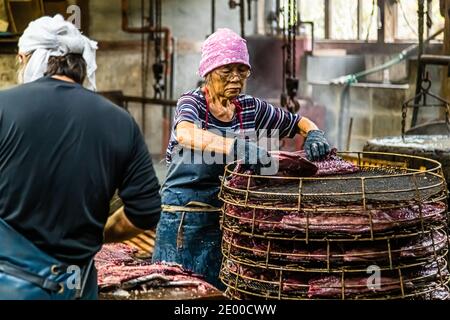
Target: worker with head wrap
[
  {"x": 64, "y": 150},
  {"x": 217, "y": 119}
]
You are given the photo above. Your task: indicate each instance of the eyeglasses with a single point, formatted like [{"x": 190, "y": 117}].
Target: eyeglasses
[{"x": 227, "y": 73}]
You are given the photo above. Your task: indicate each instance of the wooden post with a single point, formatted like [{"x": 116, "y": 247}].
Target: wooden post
[
  {"x": 388, "y": 17},
  {"x": 380, "y": 32},
  {"x": 84, "y": 8}
]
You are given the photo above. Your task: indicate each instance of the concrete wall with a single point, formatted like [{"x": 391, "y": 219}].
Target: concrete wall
[{"x": 375, "y": 109}]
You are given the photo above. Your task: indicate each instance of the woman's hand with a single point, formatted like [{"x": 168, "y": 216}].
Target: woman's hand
[
  {"x": 252, "y": 156},
  {"x": 316, "y": 145}
]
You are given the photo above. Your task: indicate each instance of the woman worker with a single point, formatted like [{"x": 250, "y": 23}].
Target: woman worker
[{"x": 188, "y": 231}]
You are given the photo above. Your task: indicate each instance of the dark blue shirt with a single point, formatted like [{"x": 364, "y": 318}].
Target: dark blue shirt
[{"x": 64, "y": 150}]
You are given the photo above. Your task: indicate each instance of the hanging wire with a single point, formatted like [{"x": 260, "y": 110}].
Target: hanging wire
[
  {"x": 372, "y": 13},
  {"x": 429, "y": 21},
  {"x": 406, "y": 18}
]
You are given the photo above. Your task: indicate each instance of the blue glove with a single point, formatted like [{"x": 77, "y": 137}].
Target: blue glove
[
  {"x": 252, "y": 156},
  {"x": 316, "y": 145}
]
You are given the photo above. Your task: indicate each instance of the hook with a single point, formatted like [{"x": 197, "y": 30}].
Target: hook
[{"x": 426, "y": 82}]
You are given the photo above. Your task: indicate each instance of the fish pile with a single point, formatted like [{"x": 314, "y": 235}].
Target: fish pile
[{"x": 118, "y": 268}]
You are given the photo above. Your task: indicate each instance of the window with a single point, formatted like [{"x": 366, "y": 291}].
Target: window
[
  {"x": 361, "y": 19},
  {"x": 314, "y": 10},
  {"x": 437, "y": 19},
  {"x": 407, "y": 19},
  {"x": 344, "y": 19},
  {"x": 349, "y": 19},
  {"x": 370, "y": 20}
]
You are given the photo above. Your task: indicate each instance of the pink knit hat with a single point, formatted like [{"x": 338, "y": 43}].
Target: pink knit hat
[{"x": 221, "y": 48}]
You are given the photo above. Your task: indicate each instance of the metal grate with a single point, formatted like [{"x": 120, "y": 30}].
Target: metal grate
[
  {"x": 404, "y": 282},
  {"x": 389, "y": 214},
  {"x": 372, "y": 184}
]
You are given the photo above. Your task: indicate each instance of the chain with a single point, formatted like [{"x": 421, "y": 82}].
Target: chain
[
  {"x": 404, "y": 110},
  {"x": 289, "y": 43},
  {"x": 293, "y": 9}
]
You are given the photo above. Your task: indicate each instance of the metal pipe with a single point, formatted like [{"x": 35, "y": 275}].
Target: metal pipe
[
  {"x": 161, "y": 102},
  {"x": 213, "y": 16},
  {"x": 349, "y": 134},
  {"x": 242, "y": 16},
  {"x": 435, "y": 59},
  {"x": 311, "y": 23},
  {"x": 147, "y": 29},
  {"x": 351, "y": 78}
]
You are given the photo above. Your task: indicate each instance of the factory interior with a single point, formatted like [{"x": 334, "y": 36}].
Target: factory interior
[{"x": 102, "y": 102}]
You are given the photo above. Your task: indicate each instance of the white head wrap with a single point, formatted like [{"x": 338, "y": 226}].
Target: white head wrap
[{"x": 46, "y": 37}]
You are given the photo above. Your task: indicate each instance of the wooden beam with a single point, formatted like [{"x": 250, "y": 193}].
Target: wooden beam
[
  {"x": 8, "y": 46},
  {"x": 390, "y": 20},
  {"x": 120, "y": 45},
  {"x": 388, "y": 17},
  {"x": 85, "y": 16},
  {"x": 380, "y": 32},
  {"x": 361, "y": 47}
]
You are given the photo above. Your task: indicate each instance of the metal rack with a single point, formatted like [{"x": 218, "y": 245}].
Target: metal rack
[{"x": 263, "y": 253}]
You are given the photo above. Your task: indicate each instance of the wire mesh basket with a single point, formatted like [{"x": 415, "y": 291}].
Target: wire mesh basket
[
  {"x": 316, "y": 237},
  {"x": 329, "y": 256},
  {"x": 419, "y": 282}
]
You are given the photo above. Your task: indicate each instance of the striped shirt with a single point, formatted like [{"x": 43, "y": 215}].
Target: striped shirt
[{"x": 256, "y": 116}]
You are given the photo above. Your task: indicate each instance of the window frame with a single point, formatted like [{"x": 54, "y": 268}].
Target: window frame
[{"x": 387, "y": 34}]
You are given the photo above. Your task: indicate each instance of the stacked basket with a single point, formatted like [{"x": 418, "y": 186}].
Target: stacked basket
[{"x": 379, "y": 233}]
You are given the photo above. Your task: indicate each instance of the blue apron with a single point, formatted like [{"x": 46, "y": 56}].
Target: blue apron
[
  {"x": 188, "y": 231},
  {"x": 192, "y": 239},
  {"x": 27, "y": 273}
]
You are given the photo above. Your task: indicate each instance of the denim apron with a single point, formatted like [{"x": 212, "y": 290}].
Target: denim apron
[
  {"x": 188, "y": 231},
  {"x": 27, "y": 273}
]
